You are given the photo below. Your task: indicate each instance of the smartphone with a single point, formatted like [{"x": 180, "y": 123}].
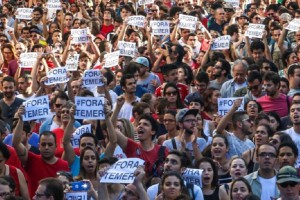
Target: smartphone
[{"x": 80, "y": 186}]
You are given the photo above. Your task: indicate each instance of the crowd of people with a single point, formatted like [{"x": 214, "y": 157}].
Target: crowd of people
[{"x": 162, "y": 105}]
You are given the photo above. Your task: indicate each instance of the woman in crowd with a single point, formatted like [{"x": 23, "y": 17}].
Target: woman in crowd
[
  {"x": 210, "y": 98},
  {"x": 262, "y": 134},
  {"x": 279, "y": 138},
  {"x": 240, "y": 188},
  {"x": 252, "y": 108},
  {"x": 8, "y": 63},
  {"x": 210, "y": 186},
  {"x": 170, "y": 124},
  {"x": 171, "y": 92},
  {"x": 275, "y": 122}
]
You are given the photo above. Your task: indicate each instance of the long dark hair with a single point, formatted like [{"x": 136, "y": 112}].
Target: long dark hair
[
  {"x": 82, "y": 172},
  {"x": 179, "y": 104},
  {"x": 215, "y": 181},
  {"x": 242, "y": 179}
]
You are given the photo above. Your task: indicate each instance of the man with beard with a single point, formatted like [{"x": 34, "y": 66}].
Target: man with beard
[
  {"x": 287, "y": 154},
  {"x": 177, "y": 161},
  {"x": 294, "y": 79},
  {"x": 294, "y": 132},
  {"x": 38, "y": 166},
  {"x": 10, "y": 103},
  {"x": 24, "y": 88},
  {"x": 242, "y": 127},
  {"x": 254, "y": 89},
  {"x": 187, "y": 139},
  {"x": 263, "y": 181},
  {"x": 147, "y": 79},
  {"x": 220, "y": 72},
  {"x": 274, "y": 100},
  {"x": 239, "y": 79},
  {"x": 37, "y": 17}
]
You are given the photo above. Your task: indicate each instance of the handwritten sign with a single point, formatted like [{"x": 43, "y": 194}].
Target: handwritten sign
[
  {"x": 160, "y": 27},
  {"x": 24, "y": 13},
  {"x": 193, "y": 176},
  {"x": 127, "y": 48},
  {"x": 79, "y": 131},
  {"x": 137, "y": 20},
  {"x": 225, "y": 104},
  {"x": 92, "y": 77},
  {"x": 36, "y": 108},
  {"x": 72, "y": 62},
  {"x": 112, "y": 59},
  {"x": 122, "y": 171},
  {"x": 145, "y": 2},
  {"x": 76, "y": 196},
  {"x": 89, "y": 107},
  {"x": 222, "y": 42},
  {"x": 54, "y": 4},
  {"x": 294, "y": 25},
  {"x": 57, "y": 75},
  {"x": 28, "y": 60},
  {"x": 79, "y": 36},
  {"x": 233, "y": 3},
  {"x": 255, "y": 30},
  {"x": 187, "y": 22}
]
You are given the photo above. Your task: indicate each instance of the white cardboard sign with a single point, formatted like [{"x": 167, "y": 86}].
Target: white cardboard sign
[
  {"x": 234, "y": 3},
  {"x": 28, "y": 60},
  {"x": 92, "y": 77},
  {"x": 57, "y": 75},
  {"x": 78, "y": 132},
  {"x": 137, "y": 20},
  {"x": 76, "y": 196},
  {"x": 294, "y": 25},
  {"x": 79, "y": 36},
  {"x": 72, "y": 62},
  {"x": 160, "y": 27},
  {"x": 112, "y": 59},
  {"x": 24, "y": 13},
  {"x": 225, "y": 104},
  {"x": 221, "y": 43},
  {"x": 127, "y": 48},
  {"x": 187, "y": 22},
  {"x": 54, "y": 4},
  {"x": 89, "y": 108},
  {"x": 36, "y": 108},
  {"x": 193, "y": 176},
  {"x": 255, "y": 30},
  {"x": 145, "y": 2}
]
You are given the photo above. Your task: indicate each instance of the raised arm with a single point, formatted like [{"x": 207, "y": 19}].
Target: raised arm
[
  {"x": 173, "y": 36},
  {"x": 69, "y": 154},
  {"x": 139, "y": 174},
  {"x": 17, "y": 137},
  {"x": 112, "y": 137},
  {"x": 282, "y": 37},
  {"x": 119, "y": 104},
  {"x": 267, "y": 50}
]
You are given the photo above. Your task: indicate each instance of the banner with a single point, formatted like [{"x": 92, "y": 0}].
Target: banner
[
  {"x": 145, "y": 2},
  {"x": 79, "y": 131},
  {"x": 72, "y": 62},
  {"x": 193, "y": 176},
  {"x": 234, "y": 3},
  {"x": 221, "y": 43},
  {"x": 127, "y": 48},
  {"x": 294, "y": 25},
  {"x": 54, "y": 4},
  {"x": 225, "y": 104},
  {"x": 36, "y": 108},
  {"x": 28, "y": 60},
  {"x": 122, "y": 171},
  {"x": 79, "y": 36},
  {"x": 24, "y": 13},
  {"x": 92, "y": 77},
  {"x": 255, "y": 30},
  {"x": 76, "y": 196},
  {"x": 187, "y": 22},
  {"x": 57, "y": 75},
  {"x": 112, "y": 59},
  {"x": 89, "y": 107},
  {"x": 137, "y": 20},
  {"x": 160, "y": 27}
]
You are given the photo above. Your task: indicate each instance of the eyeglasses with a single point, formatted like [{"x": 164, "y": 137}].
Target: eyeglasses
[
  {"x": 190, "y": 120},
  {"x": 267, "y": 154},
  {"x": 171, "y": 93},
  {"x": 291, "y": 184},
  {"x": 255, "y": 87},
  {"x": 181, "y": 4},
  {"x": 58, "y": 105},
  {"x": 153, "y": 10}
]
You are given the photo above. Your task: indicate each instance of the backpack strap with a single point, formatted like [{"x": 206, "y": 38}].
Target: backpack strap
[
  {"x": 161, "y": 158},
  {"x": 174, "y": 143}
]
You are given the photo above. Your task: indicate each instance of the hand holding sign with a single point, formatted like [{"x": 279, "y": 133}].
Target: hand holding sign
[
  {"x": 139, "y": 174},
  {"x": 237, "y": 103},
  {"x": 20, "y": 112}
]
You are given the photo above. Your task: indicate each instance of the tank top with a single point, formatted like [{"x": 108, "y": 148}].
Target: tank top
[
  {"x": 14, "y": 174},
  {"x": 252, "y": 166},
  {"x": 213, "y": 196}
]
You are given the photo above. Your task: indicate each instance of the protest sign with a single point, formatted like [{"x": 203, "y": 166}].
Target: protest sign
[
  {"x": 137, "y": 20},
  {"x": 255, "y": 30},
  {"x": 72, "y": 62},
  {"x": 78, "y": 132},
  {"x": 160, "y": 27},
  {"x": 24, "y": 13},
  {"x": 54, "y": 4},
  {"x": 89, "y": 108},
  {"x": 79, "y": 36},
  {"x": 112, "y": 59},
  {"x": 28, "y": 60},
  {"x": 193, "y": 176},
  {"x": 145, "y": 2},
  {"x": 221, "y": 43},
  {"x": 127, "y": 48},
  {"x": 225, "y": 104},
  {"x": 36, "y": 108},
  {"x": 234, "y": 3},
  {"x": 76, "y": 196},
  {"x": 57, "y": 75},
  {"x": 122, "y": 171},
  {"x": 92, "y": 77},
  {"x": 187, "y": 22},
  {"x": 294, "y": 25}
]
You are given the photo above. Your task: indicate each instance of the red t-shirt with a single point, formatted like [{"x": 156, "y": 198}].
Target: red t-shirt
[
  {"x": 38, "y": 169},
  {"x": 14, "y": 159},
  {"x": 106, "y": 29},
  {"x": 135, "y": 150},
  {"x": 183, "y": 89}
]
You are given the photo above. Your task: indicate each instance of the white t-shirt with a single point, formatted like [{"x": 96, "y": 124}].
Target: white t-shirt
[
  {"x": 239, "y": 86},
  {"x": 268, "y": 188},
  {"x": 296, "y": 138}
]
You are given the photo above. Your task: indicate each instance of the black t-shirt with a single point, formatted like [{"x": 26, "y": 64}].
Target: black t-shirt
[{"x": 8, "y": 112}]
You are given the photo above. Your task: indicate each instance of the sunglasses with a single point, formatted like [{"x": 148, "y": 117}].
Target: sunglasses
[
  {"x": 58, "y": 105},
  {"x": 267, "y": 154},
  {"x": 171, "y": 93},
  {"x": 255, "y": 87},
  {"x": 291, "y": 184}
]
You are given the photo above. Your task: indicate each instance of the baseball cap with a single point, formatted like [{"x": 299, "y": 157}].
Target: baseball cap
[
  {"x": 35, "y": 30},
  {"x": 287, "y": 174},
  {"x": 184, "y": 112},
  {"x": 143, "y": 61},
  {"x": 243, "y": 15}
]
